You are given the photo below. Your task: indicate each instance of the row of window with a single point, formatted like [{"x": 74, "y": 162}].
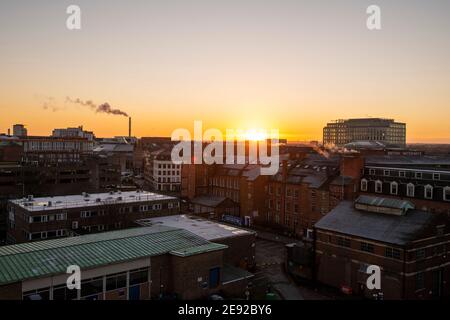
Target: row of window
[
  {"x": 410, "y": 189},
  {"x": 91, "y": 287},
  {"x": 389, "y": 252},
  {"x": 46, "y": 218},
  {"x": 289, "y": 191},
  {"x": 46, "y": 234},
  {"x": 167, "y": 173},
  {"x": 402, "y": 174},
  {"x": 122, "y": 210},
  {"x": 225, "y": 183},
  {"x": 168, "y": 166}
]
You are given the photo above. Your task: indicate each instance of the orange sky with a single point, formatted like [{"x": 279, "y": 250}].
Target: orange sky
[{"x": 231, "y": 64}]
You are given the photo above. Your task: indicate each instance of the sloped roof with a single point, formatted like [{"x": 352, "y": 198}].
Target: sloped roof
[
  {"x": 44, "y": 258},
  {"x": 398, "y": 230}
]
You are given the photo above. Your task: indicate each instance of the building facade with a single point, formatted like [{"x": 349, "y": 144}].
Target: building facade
[
  {"x": 161, "y": 173},
  {"x": 423, "y": 180},
  {"x": 342, "y": 132}
]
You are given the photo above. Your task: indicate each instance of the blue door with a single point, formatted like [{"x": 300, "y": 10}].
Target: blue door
[
  {"x": 214, "y": 275},
  {"x": 134, "y": 293}
]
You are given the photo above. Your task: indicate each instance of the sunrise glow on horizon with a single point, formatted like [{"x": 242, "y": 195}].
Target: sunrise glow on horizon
[{"x": 247, "y": 65}]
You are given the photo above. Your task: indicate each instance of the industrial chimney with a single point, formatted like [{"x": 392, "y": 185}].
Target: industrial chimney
[{"x": 129, "y": 127}]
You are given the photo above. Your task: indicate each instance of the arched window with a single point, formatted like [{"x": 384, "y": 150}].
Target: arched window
[
  {"x": 428, "y": 194},
  {"x": 447, "y": 194},
  {"x": 378, "y": 186},
  {"x": 410, "y": 190},
  {"x": 363, "y": 185},
  {"x": 394, "y": 187}
]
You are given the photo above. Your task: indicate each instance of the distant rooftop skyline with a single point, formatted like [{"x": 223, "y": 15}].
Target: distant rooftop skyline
[{"x": 294, "y": 65}]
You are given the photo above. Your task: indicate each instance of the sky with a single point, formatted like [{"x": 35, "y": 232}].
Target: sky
[{"x": 238, "y": 64}]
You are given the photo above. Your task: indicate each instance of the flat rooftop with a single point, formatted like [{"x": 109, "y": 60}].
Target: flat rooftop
[
  {"x": 206, "y": 229},
  {"x": 88, "y": 200}
]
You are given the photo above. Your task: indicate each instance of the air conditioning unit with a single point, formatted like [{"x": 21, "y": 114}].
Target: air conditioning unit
[{"x": 74, "y": 225}]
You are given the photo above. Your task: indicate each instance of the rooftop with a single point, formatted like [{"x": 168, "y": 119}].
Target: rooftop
[
  {"x": 394, "y": 229},
  {"x": 44, "y": 258},
  {"x": 211, "y": 201},
  {"x": 204, "y": 228},
  {"x": 87, "y": 200}
]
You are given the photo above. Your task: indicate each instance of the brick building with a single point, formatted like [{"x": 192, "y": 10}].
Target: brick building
[
  {"x": 133, "y": 264},
  {"x": 300, "y": 194},
  {"x": 410, "y": 246},
  {"x": 32, "y": 218},
  {"x": 423, "y": 180}
]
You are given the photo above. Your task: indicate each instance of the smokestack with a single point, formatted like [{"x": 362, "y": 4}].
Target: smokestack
[{"x": 129, "y": 127}]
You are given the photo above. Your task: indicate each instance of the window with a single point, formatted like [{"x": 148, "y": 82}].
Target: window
[
  {"x": 386, "y": 173},
  {"x": 418, "y": 175},
  {"x": 420, "y": 254},
  {"x": 296, "y": 208},
  {"x": 40, "y": 294},
  {"x": 343, "y": 242},
  {"x": 394, "y": 188},
  {"x": 436, "y": 176},
  {"x": 61, "y": 216},
  {"x": 63, "y": 293},
  {"x": 378, "y": 186},
  {"x": 91, "y": 287},
  {"x": 143, "y": 208},
  {"x": 86, "y": 214},
  {"x": 372, "y": 172},
  {"x": 402, "y": 174},
  {"x": 447, "y": 194},
  {"x": 138, "y": 277},
  {"x": 410, "y": 190},
  {"x": 363, "y": 185},
  {"x": 367, "y": 247},
  {"x": 157, "y": 207},
  {"x": 392, "y": 253},
  {"x": 428, "y": 192},
  {"x": 420, "y": 281},
  {"x": 116, "y": 282}
]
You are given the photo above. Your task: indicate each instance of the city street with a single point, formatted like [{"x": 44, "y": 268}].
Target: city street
[{"x": 270, "y": 257}]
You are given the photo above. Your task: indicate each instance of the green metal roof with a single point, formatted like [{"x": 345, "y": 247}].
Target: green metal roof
[{"x": 50, "y": 257}]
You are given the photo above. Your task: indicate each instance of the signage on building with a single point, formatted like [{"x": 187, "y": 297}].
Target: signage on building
[{"x": 232, "y": 219}]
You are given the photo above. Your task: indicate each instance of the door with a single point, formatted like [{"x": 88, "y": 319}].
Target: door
[
  {"x": 214, "y": 277},
  {"x": 134, "y": 293},
  {"x": 437, "y": 284}
]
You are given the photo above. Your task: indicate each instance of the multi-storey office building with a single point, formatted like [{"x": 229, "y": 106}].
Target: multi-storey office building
[
  {"x": 424, "y": 180},
  {"x": 342, "y": 132},
  {"x": 32, "y": 218},
  {"x": 73, "y": 132},
  {"x": 55, "y": 149},
  {"x": 133, "y": 264},
  {"x": 410, "y": 246}
]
